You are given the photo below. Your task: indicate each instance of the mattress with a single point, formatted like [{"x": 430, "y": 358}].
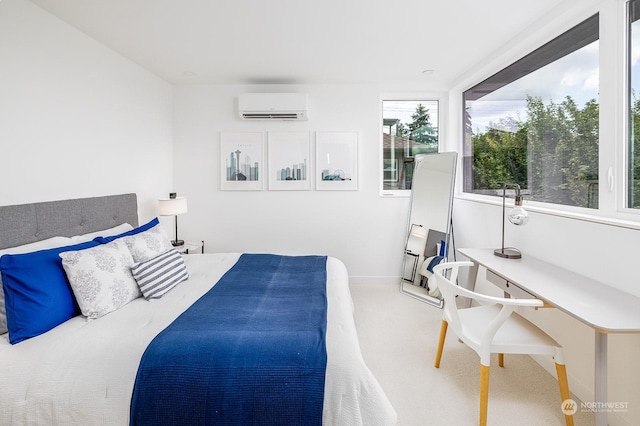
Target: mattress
[{"x": 83, "y": 372}]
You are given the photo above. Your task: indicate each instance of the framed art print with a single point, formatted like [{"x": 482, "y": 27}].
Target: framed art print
[
  {"x": 289, "y": 156},
  {"x": 242, "y": 161},
  {"x": 336, "y": 161}
]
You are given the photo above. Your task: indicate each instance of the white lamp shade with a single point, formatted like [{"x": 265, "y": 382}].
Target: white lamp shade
[{"x": 172, "y": 206}]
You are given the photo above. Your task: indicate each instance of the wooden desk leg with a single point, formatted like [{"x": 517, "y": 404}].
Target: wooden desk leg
[{"x": 600, "y": 377}]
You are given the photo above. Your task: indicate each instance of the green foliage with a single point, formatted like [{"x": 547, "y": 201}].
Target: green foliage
[
  {"x": 421, "y": 131},
  {"x": 500, "y": 155},
  {"x": 634, "y": 154},
  {"x": 553, "y": 153},
  {"x": 419, "y": 136}
]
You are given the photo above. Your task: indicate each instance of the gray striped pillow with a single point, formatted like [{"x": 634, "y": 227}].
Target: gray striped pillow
[{"x": 160, "y": 274}]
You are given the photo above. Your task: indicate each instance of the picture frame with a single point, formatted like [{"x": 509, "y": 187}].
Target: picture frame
[
  {"x": 336, "y": 161},
  {"x": 242, "y": 161},
  {"x": 289, "y": 161}
]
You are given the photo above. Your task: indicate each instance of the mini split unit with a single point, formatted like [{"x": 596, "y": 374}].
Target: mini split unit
[{"x": 273, "y": 106}]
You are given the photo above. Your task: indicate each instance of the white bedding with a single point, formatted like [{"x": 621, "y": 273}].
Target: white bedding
[{"x": 82, "y": 372}]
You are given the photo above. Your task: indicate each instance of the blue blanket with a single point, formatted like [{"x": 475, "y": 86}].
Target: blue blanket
[{"x": 251, "y": 351}]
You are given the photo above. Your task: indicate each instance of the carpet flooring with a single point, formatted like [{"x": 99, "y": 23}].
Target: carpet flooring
[{"x": 399, "y": 335}]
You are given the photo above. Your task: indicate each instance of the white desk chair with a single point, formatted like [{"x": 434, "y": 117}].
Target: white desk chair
[{"x": 491, "y": 328}]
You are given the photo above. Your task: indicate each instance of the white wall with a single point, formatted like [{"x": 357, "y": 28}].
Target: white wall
[
  {"x": 77, "y": 119},
  {"x": 359, "y": 227}
]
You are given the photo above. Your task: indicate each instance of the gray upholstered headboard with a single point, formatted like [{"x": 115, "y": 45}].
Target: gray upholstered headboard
[{"x": 27, "y": 223}]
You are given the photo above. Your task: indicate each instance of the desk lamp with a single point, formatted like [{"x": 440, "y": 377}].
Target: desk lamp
[
  {"x": 173, "y": 206},
  {"x": 517, "y": 216}
]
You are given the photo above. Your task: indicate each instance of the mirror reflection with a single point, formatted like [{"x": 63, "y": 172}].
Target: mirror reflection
[{"x": 429, "y": 227}]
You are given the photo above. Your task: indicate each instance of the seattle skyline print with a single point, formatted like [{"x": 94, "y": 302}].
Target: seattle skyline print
[
  {"x": 241, "y": 169},
  {"x": 242, "y": 166},
  {"x": 297, "y": 171},
  {"x": 289, "y": 156}
]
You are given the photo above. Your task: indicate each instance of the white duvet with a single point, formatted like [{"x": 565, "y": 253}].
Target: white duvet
[{"x": 82, "y": 372}]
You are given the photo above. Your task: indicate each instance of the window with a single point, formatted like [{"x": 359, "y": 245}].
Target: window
[
  {"x": 633, "y": 162},
  {"x": 536, "y": 123},
  {"x": 409, "y": 128}
]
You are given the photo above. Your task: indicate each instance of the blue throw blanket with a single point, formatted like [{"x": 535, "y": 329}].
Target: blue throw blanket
[{"x": 251, "y": 351}]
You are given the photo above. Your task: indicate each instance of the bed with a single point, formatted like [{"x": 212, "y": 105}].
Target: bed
[{"x": 86, "y": 371}]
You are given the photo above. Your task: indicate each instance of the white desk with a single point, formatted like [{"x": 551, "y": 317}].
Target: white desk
[{"x": 604, "y": 308}]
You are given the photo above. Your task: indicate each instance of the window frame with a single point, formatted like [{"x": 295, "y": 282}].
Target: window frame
[
  {"x": 626, "y": 160},
  {"x": 613, "y": 118},
  {"x": 442, "y": 99},
  {"x": 569, "y": 41}
]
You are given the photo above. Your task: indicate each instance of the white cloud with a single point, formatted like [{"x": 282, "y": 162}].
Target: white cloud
[
  {"x": 575, "y": 75},
  {"x": 403, "y": 110}
]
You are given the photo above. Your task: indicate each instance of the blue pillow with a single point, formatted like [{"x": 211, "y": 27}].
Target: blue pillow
[
  {"x": 37, "y": 294},
  {"x": 104, "y": 240}
]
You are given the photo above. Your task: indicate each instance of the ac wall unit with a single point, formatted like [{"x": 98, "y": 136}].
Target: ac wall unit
[{"x": 273, "y": 106}]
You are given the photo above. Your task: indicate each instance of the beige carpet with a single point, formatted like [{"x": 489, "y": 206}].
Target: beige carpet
[{"x": 398, "y": 336}]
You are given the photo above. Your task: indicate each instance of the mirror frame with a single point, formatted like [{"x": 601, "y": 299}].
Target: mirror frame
[{"x": 439, "y": 168}]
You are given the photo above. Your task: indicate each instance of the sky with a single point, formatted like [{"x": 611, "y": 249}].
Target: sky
[
  {"x": 403, "y": 110},
  {"x": 574, "y": 75}
]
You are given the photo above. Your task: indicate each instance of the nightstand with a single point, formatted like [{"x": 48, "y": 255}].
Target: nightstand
[{"x": 190, "y": 245}]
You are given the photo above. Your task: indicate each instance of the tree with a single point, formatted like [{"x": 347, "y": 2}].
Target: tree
[
  {"x": 500, "y": 155},
  {"x": 553, "y": 153},
  {"x": 563, "y": 141},
  {"x": 634, "y": 154},
  {"x": 421, "y": 131}
]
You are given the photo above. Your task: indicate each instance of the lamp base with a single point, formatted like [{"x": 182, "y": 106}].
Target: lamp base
[
  {"x": 177, "y": 243},
  {"x": 508, "y": 253}
]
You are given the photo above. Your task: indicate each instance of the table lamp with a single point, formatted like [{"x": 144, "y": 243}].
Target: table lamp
[
  {"x": 517, "y": 216},
  {"x": 173, "y": 206}
]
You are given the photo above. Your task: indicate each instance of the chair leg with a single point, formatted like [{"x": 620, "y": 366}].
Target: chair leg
[
  {"x": 484, "y": 393},
  {"x": 501, "y": 360},
  {"x": 443, "y": 334},
  {"x": 561, "y": 371}
]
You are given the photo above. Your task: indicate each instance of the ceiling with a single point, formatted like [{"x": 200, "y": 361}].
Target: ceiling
[{"x": 427, "y": 42}]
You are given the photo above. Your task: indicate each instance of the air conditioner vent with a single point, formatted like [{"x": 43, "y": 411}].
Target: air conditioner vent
[
  {"x": 267, "y": 116},
  {"x": 273, "y": 106}
]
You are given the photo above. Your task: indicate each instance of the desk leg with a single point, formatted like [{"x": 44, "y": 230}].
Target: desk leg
[
  {"x": 600, "y": 382},
  {"x": 470, "y": 283}
]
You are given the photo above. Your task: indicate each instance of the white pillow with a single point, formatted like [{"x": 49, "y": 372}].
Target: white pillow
[
  {"x": 148, "y": 244},
  {"x": 116, "y": 230},
  {"x": 27, "y": 248},
  {"x": 100, "y": 278},
  {"x": 160, "y": 274}
]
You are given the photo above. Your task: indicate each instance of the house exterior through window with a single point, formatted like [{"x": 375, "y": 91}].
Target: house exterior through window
[{"x": 409, "y": 128}]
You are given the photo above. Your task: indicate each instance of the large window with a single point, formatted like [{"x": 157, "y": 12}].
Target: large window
[
  {"x": 409, "y": 128},
  {"x": 633, "y": 163},
  {"x": 536, "y": 122}
]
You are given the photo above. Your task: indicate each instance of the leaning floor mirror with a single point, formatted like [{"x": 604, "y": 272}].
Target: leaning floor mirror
[{"x": 429, "y": 227}]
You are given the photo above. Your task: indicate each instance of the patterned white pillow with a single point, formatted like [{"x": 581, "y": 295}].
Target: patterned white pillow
[
  {"x": 116, "y": 230},
  {"x": 148, "y": 244},
  {"x": 100, "y": 278},
  {"x": 160, "y": 274}
]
